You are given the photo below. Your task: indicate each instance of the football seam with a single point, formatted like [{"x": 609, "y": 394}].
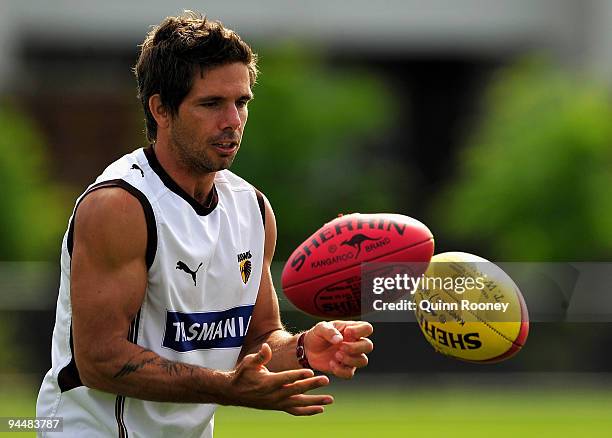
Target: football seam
[
  {"x": 360, "y": 263},
  {"x": 486, "y": 323}
]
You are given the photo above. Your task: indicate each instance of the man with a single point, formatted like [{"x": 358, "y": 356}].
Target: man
[{"x": 166, "y": 305}]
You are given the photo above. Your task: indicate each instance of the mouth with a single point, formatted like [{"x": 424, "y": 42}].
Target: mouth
[{"x": 226, "y": 147}]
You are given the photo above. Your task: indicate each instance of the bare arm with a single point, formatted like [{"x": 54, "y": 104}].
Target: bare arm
[
  {"x": 337, "y": 347},
  {"x": 108, "y": 283}
]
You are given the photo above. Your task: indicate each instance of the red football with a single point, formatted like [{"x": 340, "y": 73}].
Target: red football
[{"x": 323, "y": 275}]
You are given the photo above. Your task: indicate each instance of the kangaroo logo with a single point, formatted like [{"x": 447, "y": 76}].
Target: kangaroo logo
[
  {"x": 137, "y": 167},
  {"x": 183, "y": 267},
  {"x": 356, "y": 241}
]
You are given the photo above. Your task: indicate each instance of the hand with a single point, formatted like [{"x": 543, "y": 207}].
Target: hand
[
  {"x": 338, "y": 347},
  {"x": 253, "y": 385}
]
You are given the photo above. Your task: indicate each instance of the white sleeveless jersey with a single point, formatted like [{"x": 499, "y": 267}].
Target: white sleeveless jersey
[{"x": 204, "y": 269}]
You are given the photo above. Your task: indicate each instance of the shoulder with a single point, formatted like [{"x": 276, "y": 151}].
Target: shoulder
[
  {"x": 116, "y": 214},
  {"x": 110, "y": 205},
  {"x": 112, "y": 221},
  {"x": 107, "y": 201}
]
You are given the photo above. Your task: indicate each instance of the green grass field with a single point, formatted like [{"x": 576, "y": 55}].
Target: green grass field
[
  {"x": 388, "y": 412},
  {"x": 455, "y": 412}
]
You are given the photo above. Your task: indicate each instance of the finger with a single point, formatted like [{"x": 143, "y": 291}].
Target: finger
[
  {"x": 305, "y": 385},
  {"x": 364, "y": 345},
  {"x": 283, "y": 378},
  {"x": 358, "y": 361},
  {"x": 358, "y": 329},
  {"x": 341, "y": 371},
  {"x": 262, "y": 357},
  {"x": 340, "y": 324},
  {"x": 304, "y": 411},
  {"x": 302, "y": 400},
  {"x": 327, "y": 331}
]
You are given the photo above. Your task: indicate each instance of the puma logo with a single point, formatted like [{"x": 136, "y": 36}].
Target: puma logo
[
  {"x": 356, "y": 241},
  {"x": 136, "y": 167},
  {"x": 183, "y": 267}
]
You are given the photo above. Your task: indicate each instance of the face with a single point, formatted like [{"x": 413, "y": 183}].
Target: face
[{"x": 207, "y": 131}]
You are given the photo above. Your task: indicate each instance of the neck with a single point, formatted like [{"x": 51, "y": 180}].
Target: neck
[{"x": 198, "y": 186}]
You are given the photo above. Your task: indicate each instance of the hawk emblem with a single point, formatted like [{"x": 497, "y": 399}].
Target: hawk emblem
[
  {"x": 245, "y": 270},
  {"x": 245, "y": 265}
]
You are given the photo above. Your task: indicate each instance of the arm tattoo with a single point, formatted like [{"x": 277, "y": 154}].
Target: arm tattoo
[
  {"x": 172, "y": 368},
  {"x": 131, "y": 367},
  {"x": 175, "y": 368}
]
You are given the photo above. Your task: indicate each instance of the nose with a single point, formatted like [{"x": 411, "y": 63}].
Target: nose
[{"x": 231, "y": 118}]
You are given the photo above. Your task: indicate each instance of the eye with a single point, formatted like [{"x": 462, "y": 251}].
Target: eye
[
  {"x": 243, "y": 103},
  {"x": 209, "y": 104}
]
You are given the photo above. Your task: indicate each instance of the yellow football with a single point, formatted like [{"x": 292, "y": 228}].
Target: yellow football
[{"x": 470, "y": 309}]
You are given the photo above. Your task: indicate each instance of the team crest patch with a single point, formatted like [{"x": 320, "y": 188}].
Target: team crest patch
[{"x": 244, "y": 263}]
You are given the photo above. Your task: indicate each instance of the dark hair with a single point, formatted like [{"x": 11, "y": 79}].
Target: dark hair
[{"x": 178, "y": 48}]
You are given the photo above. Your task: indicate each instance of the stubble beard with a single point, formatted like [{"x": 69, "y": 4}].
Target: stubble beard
[{"x": 194, "y": 156}]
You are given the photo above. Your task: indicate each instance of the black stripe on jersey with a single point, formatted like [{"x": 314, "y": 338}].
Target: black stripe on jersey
[
  {"x": 136, "y": 326},
  {"x": 68, "y": 378},
  {"x": 200, "y": 209},
  {"x": 146, "y": 206},
  {"x": 133, "y": 330},
  {"x": 119, "y": 403},
  {"x": 262, "y": 206},
  {"x": 120, "y": 400}
]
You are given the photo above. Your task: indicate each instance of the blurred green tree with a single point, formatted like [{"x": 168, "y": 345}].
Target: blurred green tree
[
  {"x": 34, "y": 216},
  {"x": 306, "y": 144},
  {"x": 534, "y": 181},
  {"x": 35, "y": 210}
]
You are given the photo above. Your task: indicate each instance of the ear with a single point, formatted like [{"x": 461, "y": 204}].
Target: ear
[{"x": 159, "y": 112}]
